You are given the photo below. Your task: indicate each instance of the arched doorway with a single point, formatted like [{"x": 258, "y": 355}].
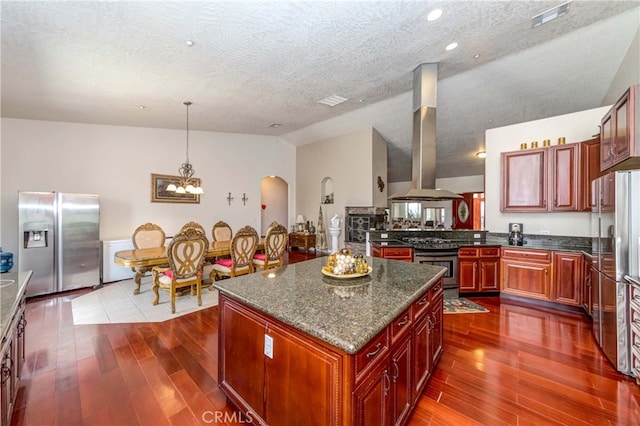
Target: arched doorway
[{"x": 274, "y": 196}]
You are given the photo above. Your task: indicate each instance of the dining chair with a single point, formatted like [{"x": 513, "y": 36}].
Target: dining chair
[
  {"x": 221, "y": 231},
  {"x": 148, "y": 235},
  {"x": 243, "y": 248},
  {"x": 275, "y": 243},
  {"x": 186, "y": 253},
  {"x": 195, "y": 225}
]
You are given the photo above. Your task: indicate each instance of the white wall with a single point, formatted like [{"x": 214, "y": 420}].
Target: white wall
[
  {"x": 116, "y": 162},
  {"x": 575, "y": 127},
  {"x": 275, "y": 198},
  {"x": 379, "y": 168},
  {"x": 346, "y": 159}
]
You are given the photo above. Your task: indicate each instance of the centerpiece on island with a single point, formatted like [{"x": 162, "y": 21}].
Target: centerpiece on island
[{"x": 342, "y": 264}]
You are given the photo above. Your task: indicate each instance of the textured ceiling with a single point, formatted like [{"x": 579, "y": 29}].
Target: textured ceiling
[{"x": 258, "y": 63}]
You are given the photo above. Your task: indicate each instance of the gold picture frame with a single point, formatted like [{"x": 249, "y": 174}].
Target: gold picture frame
[{"x": 159, "y": 194}]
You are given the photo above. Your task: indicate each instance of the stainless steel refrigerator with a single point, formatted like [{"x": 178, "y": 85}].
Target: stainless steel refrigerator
[
  {"x": 58, "y": 240},
  {"x": 615, "y": 237}
]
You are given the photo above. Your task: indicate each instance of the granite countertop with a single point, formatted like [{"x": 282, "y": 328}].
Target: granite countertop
[
  {"x": 390, "y": 243},
  {"x": 533, "y": 246},
  {"x": 343, "y": 313},
  {"x": 10, "y": 295}
]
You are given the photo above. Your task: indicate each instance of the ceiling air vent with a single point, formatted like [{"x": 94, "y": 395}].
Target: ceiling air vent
[
  {"x": 333, "y": 100},
  {"x": 550, "y": 14}
]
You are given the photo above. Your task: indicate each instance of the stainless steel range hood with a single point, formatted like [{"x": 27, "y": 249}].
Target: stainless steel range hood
[{"x": 423, "y": 145}]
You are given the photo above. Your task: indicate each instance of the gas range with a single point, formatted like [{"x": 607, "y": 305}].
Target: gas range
[{"x": 431, "y": 244}]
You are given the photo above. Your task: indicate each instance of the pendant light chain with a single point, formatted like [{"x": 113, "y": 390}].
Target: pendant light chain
[
  {"x": 187, "y": 104},
  {"x": 186, "y": 171}
]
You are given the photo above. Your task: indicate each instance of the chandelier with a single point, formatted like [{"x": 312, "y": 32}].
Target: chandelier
[{"x": 187, "y": 185}]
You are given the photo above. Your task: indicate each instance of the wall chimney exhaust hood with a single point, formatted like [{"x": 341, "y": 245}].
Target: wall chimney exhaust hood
[{"x": 423, "y": 144}]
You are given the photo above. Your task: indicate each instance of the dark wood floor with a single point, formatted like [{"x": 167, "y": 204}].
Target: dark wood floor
[{"x": 517, "y": 365}]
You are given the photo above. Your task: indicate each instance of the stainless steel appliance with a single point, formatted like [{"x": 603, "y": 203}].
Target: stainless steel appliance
[
  {"x": 615, "y": 234},
  {"x": 439, "y": 252},
  {"x": 58, "y": 240}
]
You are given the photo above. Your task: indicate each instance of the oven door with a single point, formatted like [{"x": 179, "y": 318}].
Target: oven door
[{"x": 447, "y": 260}]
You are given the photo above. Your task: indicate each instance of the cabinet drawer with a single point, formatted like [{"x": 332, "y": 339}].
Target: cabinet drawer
[
  {"x": 468, "y": 252},
  {"x": 635, "y": 335},
  {"x": 420, "y": 306},
  {"x": 634, "y": 313},
  {"x": 528, "y": 255},
  {"x": 392, "y": 252},
  {"x": 376, "y": 349},
  {"x": 401, "y": 325},
  {"x": 436, "y": 290},
  {"x": 635, "y": 293},
  {"x": 635, "y": 362},
  {"x": 490, "y": 252}
]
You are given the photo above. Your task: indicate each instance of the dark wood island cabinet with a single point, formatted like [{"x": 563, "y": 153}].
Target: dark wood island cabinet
[
  {"x": 12, "y": 340},
  {"x": 297, "y": 347}
]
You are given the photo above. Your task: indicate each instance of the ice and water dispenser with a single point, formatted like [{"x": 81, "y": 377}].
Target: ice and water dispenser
[{"x": 35, "y": 235}]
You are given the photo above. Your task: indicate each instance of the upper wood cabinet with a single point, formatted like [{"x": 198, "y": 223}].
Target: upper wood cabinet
[
  {"x": 620, "y": 148},
  {"x": 557, "y": 178},
  {"x": 524, "y": 180},
  {"x": 564, "y": 172}
]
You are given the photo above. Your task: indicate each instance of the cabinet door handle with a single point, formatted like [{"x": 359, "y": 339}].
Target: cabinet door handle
[
  {"x": 423, "y": 302},
  {"x": 387, "y": 383},
  {"x": 375, "y": 351},
  {"x": 6, "y": 373},
  {"x": 404, "y": 321},
  {"x": 396, "y": 373}
]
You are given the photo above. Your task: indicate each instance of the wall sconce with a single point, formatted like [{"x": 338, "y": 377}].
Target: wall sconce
[
  {"x": 244, "y": 199},
  {"x": 229, "y": 198},
  {"x": 481, "y": 154}
]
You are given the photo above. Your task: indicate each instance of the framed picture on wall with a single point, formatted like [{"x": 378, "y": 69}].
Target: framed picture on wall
[{"x": 159, "y": 193}]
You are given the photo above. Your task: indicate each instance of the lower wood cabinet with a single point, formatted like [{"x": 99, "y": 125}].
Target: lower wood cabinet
[
  {"x": 542, "y": 274},
  {"x": 479, "y": 269},
  {"x": 396, "y": 253},
  {"x": 12, "y": 356},
  {"x": 312, "y": 383},
  {"x": 567, "y": 278}
]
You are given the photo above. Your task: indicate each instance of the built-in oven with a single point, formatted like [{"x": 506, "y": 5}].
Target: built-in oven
[
  {"x": 439, "y": 252},
  {"x": 448, "y": 260}
]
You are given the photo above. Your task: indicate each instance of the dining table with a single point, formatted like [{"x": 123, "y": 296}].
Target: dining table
[{"x": 143, "y": 260}]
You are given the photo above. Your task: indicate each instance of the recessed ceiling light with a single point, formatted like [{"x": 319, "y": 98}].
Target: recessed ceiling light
[
  {"x": 275, "y": 125},
  {"x": 476, "y": 56},
  {"x": 451, "y": 46},
  {"x": 333, "y": 100},
  {"x": 142, "y": 107},
  {"x": 189, "y": 43},
  {"x": 434, "y": 14},
  {"x": 481, "y": 154}
]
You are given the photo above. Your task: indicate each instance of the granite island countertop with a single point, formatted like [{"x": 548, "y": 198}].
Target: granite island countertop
[
  {"x": 343, "y": 313},
  {"x": 12, "y": 287}
]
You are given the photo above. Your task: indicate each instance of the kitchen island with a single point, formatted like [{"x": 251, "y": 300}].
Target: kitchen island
[{"x": 298, "y": 347}]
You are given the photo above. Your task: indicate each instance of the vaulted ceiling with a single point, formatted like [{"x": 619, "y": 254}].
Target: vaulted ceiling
[{"x": 260, "y": 67}]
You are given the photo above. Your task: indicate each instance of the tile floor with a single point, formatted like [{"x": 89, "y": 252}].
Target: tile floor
[{"x": 116, "y": 303}]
